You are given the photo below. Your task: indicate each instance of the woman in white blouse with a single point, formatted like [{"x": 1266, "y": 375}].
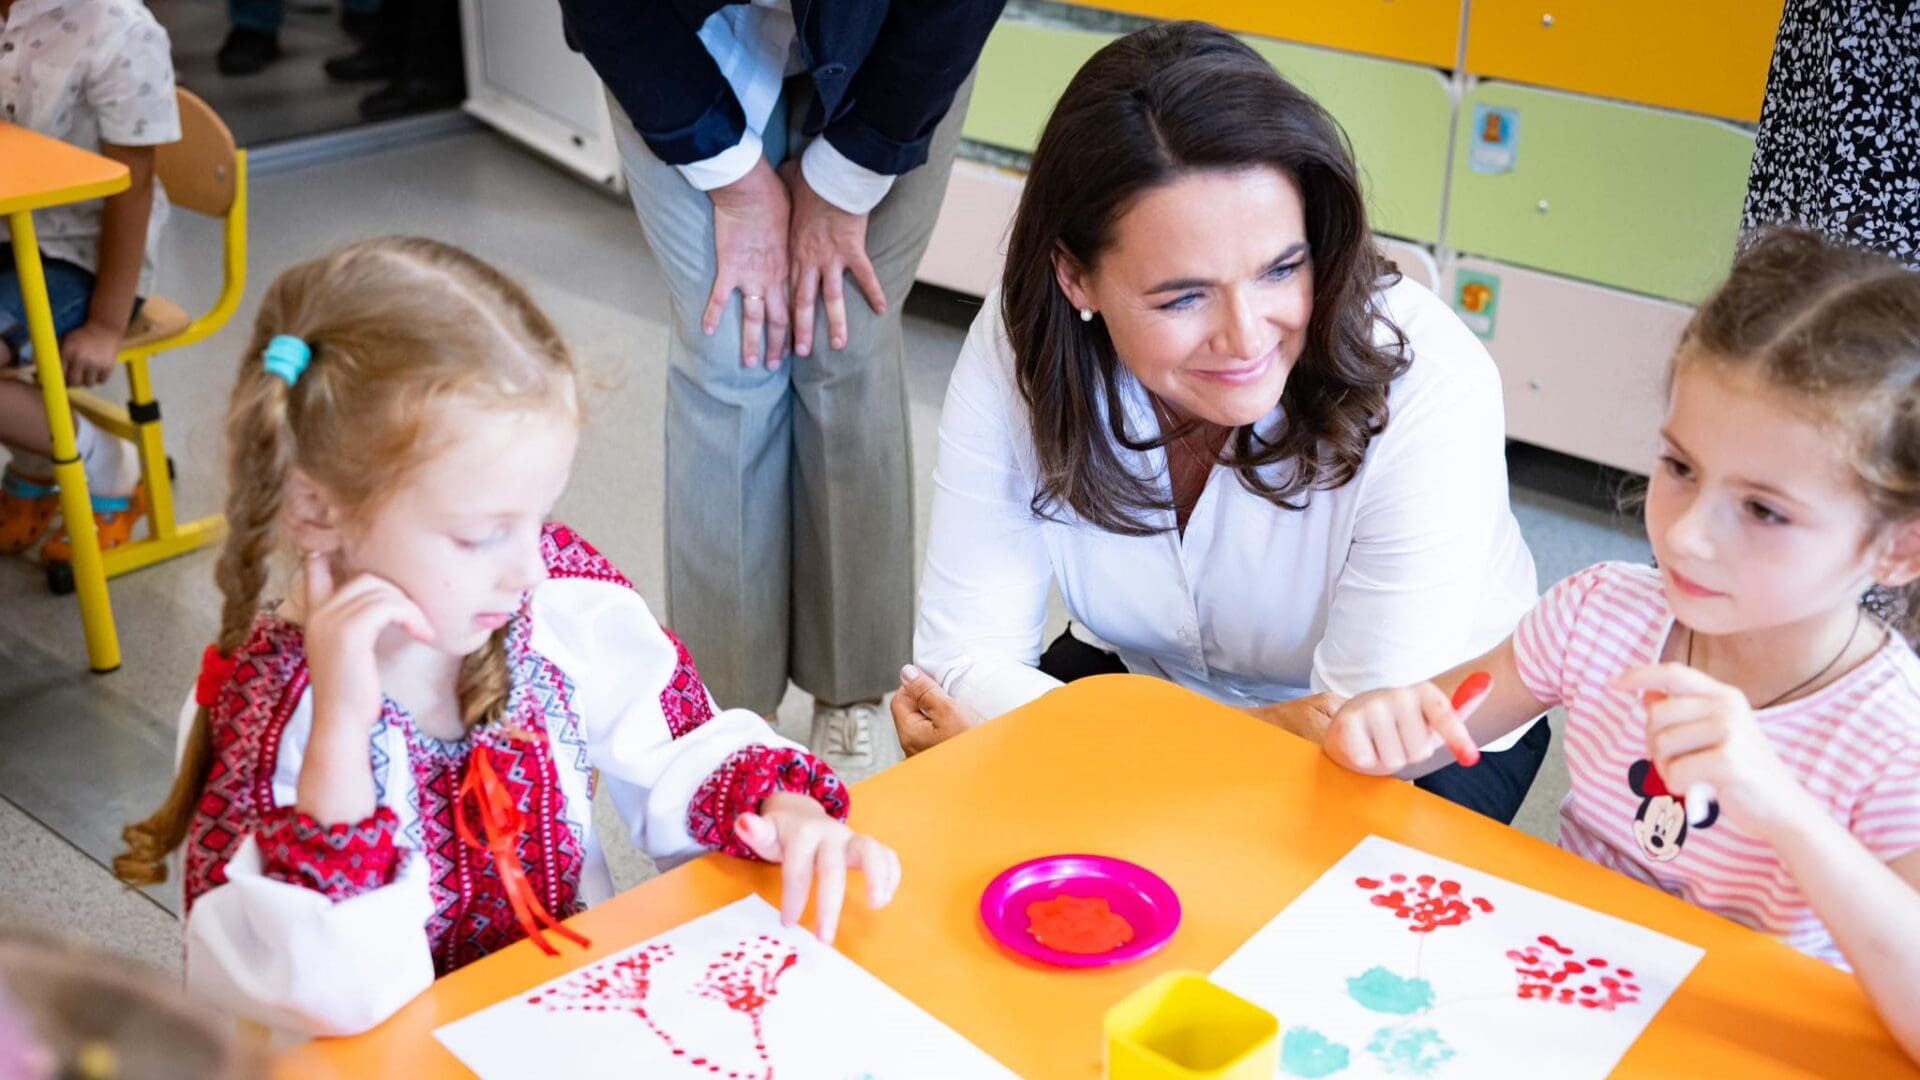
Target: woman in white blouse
[{"x": 1253, "y": 458}]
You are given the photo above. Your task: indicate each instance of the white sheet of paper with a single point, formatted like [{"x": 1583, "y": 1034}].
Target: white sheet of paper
[
  {"x": 722, "y": 991},
  {"x": 1353, "y": 982}
]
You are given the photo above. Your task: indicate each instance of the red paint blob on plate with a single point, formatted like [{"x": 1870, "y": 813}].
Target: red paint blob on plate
[{"x": 1084, "y": 926}]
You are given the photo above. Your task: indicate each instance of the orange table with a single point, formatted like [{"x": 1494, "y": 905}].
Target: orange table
[
  {"x": 37, "y": 172},
  {"x": 1240, "y": 818}
]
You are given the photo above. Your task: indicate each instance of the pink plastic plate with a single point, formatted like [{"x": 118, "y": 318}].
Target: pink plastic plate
[{"x": 1135, "y": 893}]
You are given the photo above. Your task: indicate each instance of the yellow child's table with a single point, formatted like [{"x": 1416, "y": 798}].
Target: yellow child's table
[
  {"x": 37, "y": 172},
  {"x": 1239, "y": 817}
]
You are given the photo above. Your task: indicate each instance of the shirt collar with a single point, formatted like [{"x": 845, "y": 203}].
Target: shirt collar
[{"x": 25, "y": 10}]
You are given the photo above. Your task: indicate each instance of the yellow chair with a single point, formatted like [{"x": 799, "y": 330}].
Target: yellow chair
[{"x": 205, "y": 173}]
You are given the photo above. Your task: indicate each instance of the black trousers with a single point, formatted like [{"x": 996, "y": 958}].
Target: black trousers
[{"x": 1496, "y": 787}]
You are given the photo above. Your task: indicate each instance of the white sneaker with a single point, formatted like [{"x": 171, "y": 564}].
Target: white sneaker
[{"x": 843, "y": 736}]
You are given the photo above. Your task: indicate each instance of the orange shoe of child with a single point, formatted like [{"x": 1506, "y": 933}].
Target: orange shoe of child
[
  {"x": 113, "y": 521},
  {"x": 27, "y": 508}
]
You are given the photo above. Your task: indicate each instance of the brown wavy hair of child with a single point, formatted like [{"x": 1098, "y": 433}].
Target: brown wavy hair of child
[
  {"x": 396, "y": 325},
  {"x": 1838, "y": 329},
  {"x": 1153, "y": 106}
]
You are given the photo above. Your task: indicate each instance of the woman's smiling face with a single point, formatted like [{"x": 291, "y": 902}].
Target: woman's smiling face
[{"x": 1206, "y": 291}]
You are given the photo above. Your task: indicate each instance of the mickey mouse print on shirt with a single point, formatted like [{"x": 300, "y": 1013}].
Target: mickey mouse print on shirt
[{"x": 1660, "y": 827}]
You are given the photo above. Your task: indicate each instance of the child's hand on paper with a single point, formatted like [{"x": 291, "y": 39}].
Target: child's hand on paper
[
  {"x": 1383, "y": 731},
  {"x": 1703, "y": 731},
  {"x": 815, "y": 852}
]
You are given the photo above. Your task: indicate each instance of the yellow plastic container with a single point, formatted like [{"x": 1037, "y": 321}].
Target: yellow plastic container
[{"x": 1182, "y": 1027}]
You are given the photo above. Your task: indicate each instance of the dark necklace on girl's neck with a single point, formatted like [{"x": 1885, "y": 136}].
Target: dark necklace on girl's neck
[{"x": 1860, "y": 616}]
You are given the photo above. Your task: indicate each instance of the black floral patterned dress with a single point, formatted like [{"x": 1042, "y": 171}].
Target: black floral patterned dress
[{"x": 1839, "y": 142}]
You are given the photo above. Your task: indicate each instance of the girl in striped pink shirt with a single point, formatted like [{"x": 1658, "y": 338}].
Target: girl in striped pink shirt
[{"x": 1767, "y": 661}]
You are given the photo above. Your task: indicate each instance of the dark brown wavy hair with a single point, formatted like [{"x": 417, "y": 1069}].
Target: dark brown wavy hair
[
  {"x": 1837, "y": 329},
  {"x": 1166, "y": 101}
]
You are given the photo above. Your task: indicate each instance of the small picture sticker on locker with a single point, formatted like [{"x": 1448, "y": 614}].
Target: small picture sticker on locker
[
  {"x": 1495, "y": 139},
  {"x": 1476, "y": 296}
]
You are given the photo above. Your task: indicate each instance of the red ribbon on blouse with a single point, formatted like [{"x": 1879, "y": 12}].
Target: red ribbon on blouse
[
  {"x": 215, "y": 669},
  {"x": 500, "y": 815}
]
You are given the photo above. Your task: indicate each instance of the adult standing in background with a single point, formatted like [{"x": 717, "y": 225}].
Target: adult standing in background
[
  {"x": 1839, "y": 143},
  {"x": 774, "y": 149}
]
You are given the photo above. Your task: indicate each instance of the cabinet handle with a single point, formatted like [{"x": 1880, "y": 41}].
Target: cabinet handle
[
  {"x": 1546, "y": 20},
  {"x": 1542, "y": 206}
]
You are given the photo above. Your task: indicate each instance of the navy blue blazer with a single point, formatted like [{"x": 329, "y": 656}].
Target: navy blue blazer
[{"x": 884, "y": 72}]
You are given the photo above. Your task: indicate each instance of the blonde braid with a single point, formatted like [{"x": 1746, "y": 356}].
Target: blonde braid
[
  {"x": 485, "y": 681},
  {"x": 257, "y": 419}
]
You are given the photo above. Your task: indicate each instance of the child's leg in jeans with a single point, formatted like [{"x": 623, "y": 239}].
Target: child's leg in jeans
[{"x": 112, "y": 467}]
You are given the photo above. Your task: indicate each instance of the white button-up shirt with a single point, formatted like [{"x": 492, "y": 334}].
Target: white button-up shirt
[
  {"x": 752, "y": 43},
  {"x": 89, "y": 72},
  {"x": 1413, "y": 566}
]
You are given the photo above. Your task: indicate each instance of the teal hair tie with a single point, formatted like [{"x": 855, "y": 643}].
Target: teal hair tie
[{"x": 287, "y": 356}]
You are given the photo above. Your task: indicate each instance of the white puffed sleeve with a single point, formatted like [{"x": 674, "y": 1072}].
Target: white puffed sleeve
[
  {"x": 296, "y": 959},
  {"x": 650, "y": 725},
  {"x": 327, "y": 957}
]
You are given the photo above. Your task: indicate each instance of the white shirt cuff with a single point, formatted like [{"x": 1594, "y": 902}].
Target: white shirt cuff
[
  {"x": 995, "y": 689},
  {"x": 724, "y": 167},
  {"x": 834, "y": 177}
]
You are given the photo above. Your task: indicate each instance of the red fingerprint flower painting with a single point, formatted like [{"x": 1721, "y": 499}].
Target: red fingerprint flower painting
[
  {"x": 745, "y": 979},
  {"x": 1427, "y": 902},
  {"x": 1551, "y": 972},
  {"x": 734, "y": 994}
]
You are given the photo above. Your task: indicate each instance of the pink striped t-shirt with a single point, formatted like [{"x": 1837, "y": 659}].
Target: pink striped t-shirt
[{"x": 1854, "y": 746}]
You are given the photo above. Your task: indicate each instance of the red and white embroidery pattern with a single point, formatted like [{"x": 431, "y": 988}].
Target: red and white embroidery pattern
[
  {"x": 743, "y": 782},
  {"x": 568, "y": 555},
  {"x": 244, "y": 724},
  {"x": 685, "y": 701},
  {"x": 335, "y": 860},
  {"x": 472, "y": 915}
]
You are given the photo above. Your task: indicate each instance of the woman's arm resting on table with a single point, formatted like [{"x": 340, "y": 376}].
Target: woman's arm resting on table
[
  {"x": 1308, "y": 717},
  {"x": 925, "y": 715},
  {"x": 983, "y": 595}
]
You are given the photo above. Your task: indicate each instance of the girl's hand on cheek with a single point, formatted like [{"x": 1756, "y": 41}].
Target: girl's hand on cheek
[
  {"x": 343, "y": 625},
  {"x": 815, "y": 852}
]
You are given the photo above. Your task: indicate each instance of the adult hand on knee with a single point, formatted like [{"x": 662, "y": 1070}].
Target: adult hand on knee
[
  {"x": 825, "y": 244},
  {"x": 750, "y": 254},
  {"x": 925, "y": 715}
]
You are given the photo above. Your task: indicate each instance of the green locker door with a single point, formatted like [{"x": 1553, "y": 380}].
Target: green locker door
[
  {"x": 1396, "y": 115},
  {"x": 1621, "y": 195},
  {"x": 1023, "y": 71}
]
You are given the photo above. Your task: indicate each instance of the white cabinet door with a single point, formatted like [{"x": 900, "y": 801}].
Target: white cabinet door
[
  {"x": 1584, "y": 366},
  {"x": 524, "y": 81}
]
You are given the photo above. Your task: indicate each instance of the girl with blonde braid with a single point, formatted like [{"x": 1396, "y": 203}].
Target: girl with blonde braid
[{"x": 391, "y": 773}]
